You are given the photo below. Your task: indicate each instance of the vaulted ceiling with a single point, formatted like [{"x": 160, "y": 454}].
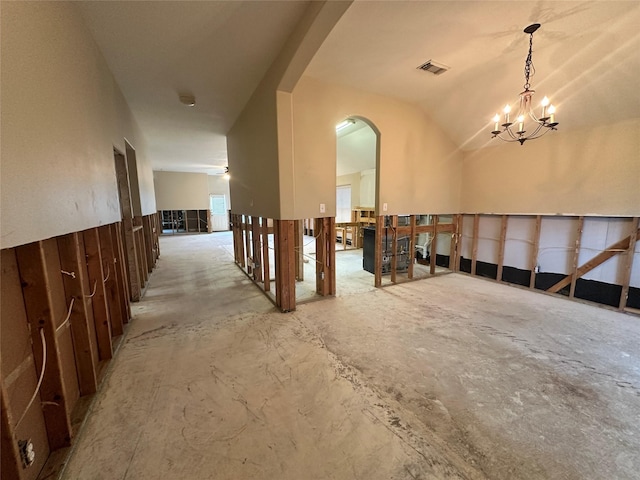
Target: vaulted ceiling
[{"x": 585, "y": 55}]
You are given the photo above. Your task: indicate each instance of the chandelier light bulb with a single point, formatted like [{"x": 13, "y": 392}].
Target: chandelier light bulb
[
  {"x": 496, "y": 119},
  {"x": 507, "y": 109},
  {"x": 545, "y": 102},
  {"x": 552, "y": 114}
]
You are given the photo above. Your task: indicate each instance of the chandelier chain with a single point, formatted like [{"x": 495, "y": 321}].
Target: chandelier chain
[{"x": 529, "y": 69}]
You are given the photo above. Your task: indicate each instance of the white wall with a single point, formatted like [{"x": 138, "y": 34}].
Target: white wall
[
  {"x": 368, "y": 188},
  {"x": 181, "y": 191},
  {"x": 62, "y": 115}
]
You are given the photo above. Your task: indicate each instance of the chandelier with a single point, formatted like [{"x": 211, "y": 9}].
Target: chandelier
[{"x": 525, "y": 118}]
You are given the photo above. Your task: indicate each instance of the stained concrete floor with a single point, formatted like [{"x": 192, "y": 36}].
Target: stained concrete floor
[{"x": 448, "y": 377}]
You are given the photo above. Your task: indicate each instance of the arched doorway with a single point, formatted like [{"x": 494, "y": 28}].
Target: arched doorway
[{"x": 357, "y": 167}]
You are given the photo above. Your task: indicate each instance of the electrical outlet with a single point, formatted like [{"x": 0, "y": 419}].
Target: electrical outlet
[
  {"x": 323, "y": 208},
  {"x": 385, "y": 207},
  {"x": 27, "y": 453}
]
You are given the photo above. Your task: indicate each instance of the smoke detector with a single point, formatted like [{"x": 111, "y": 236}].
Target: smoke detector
[
  {"x": 433, "y": 67},
  {"x": 188, "y": 100}
]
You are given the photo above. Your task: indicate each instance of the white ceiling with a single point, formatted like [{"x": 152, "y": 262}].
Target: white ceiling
[
  {"x": 217, "y": 51},
  {"x": 585, "y": 53},
  {"x": 356, "y": 148}
]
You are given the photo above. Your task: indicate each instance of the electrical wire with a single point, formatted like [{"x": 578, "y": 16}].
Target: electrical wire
[
  {"x": 95, "y": 285},
  {"x": 44, "y": 364},
  {"x": 66, "y": 320}
]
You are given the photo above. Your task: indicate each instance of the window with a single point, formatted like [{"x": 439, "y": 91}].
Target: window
[
  {"x": 218, "y": 205},
  {"x": 343, "y": 203}
]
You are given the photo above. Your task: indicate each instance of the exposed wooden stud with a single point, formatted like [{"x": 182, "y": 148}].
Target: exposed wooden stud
[
  {"x": 158, "y": 230},
  {"x": 247, "y": 239},
  {"x": 325, "y": 256},
  {"x": 576, "y": 256},
  {"x": 131, "y": 255},
  {"x": 474, "y": 245},
  {"x": 256, "y": 249},
  {"x": 265, "y": 254},
  {"x": 240, "y": 241},
  {"x": 99, "y": 301},
  {"x": 140, "y": 255},
  {"x": 378, "y": 251},
  {"x": 299, "y": 249},
  {"x": 79, "y": 290},
  {"x": 434, "y": 246},
  {"x": 234, "y": 233},
  {"x": 412, "y": 245},
  {"x": 534, "y": 252},
  {"x": 121, "y": 272},
  {"x": 285, "y": 265},
  {"x": 596, "y": 261},
  {"x": 46, "y": 310},
  {"x": 452, "y": 245},
  {"x": 321, "y": 255},
  {"x": 628, "y": 262},
  {"x": 330, "y": 260},
  {"x": 9, "y": 454},
  {"x": 394, "y": 247},
  {"x": 155, "y": 229},
  {"x": 110, "y": 262},
  {"x": 503, "y": 239},
  {"x": 19, "y": 378},
  {"x": 458, "y": 239},
  {"x": 148, "y": 242}
]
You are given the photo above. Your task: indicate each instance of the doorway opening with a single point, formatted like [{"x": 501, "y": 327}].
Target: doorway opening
[{"x": 357, "y": 160}]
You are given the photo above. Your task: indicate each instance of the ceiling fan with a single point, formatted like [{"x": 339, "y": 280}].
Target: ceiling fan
[{"x": 224, "y": 171}]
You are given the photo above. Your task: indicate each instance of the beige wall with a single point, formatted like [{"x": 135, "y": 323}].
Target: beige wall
[
  {"x": 420, "y": 168},
  {"x": 259, "y": 143},
  {"x": 62, "y": 115},
  {"x": 584, "y": 172},
  {"x": 181, "y": 191}
]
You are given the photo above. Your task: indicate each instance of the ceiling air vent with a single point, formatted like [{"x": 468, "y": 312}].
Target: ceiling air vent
[{"x": 433, "y": 67}]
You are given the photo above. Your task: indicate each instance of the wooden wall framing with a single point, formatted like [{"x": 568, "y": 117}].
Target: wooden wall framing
[
  {"x": 73, "y": 292},
  {"x": 252, "y": 255},
  {"x": 248, "y": 240},
  {"x": 624, "y": 247}
]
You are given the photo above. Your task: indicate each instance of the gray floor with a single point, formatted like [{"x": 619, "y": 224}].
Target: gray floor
[{"x": 448, "y": 377}]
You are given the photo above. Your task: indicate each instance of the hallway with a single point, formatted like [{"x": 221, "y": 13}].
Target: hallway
[{"x": 450, "y": 377}]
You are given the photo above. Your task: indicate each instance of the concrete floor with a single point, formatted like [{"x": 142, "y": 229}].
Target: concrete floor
[{"x": 448, "y": 377}]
